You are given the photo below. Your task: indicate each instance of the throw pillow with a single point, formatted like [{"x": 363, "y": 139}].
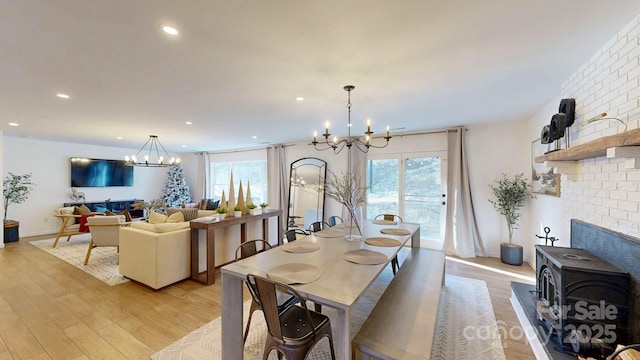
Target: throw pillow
[
  {"x": 212, "y": 205},
  {"x": 81, "y": 210},
  {"x": 203, "y": 204},
  {"x": 127, "y": 216},
  {"x": 157, "y": 218},
  {"x": 109, "y": 213},
  {"x": 175, "y": 218}
]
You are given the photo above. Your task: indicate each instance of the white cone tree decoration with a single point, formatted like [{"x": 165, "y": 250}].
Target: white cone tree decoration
[
  {"x": 223, "y": 201},
  {"x": 248, "y": 199},
  {"x": 232, "y": 195},
  {"x": 241, "y": 202}
]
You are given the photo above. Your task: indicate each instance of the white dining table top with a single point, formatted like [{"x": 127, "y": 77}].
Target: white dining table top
[{"x": 341, "y": 282}]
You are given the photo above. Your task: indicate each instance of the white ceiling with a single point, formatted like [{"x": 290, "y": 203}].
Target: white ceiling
[{"x": 237, "y": 66}]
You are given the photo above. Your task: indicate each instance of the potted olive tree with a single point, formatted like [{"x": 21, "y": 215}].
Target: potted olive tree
[
  {"x": 15, "y": 190},
  {"x": 510, "y": 196}
]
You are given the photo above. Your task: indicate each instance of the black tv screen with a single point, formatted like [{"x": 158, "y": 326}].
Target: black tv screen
[{"x": 99, "y": 173}]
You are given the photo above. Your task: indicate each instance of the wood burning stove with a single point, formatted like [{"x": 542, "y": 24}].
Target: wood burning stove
[{"x": 581, "y": 298}]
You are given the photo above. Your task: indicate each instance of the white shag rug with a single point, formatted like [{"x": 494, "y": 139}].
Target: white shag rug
[
  {"x": 466, "y": 327},
  {"x": 103, "y": 262}
]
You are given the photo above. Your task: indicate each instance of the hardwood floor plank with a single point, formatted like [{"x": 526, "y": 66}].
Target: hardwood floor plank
[
  {"x": 129, "y": 346},
  {"x": 91, "y": 344},
  {"x": 16, "y": 337},
  {"x": 56, "y": 343}
]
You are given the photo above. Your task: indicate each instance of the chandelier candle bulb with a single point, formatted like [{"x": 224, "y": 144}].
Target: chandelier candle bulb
[{"x": 315, "y": 137}]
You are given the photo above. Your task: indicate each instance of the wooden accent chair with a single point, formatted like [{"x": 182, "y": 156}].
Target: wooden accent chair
[
  {"x": 105, "y": 231},
  {"x": 68, "y": 226},
  {"x": 294, "y": 330},
  {"x": 391, "y": 217},
  {"x": 292, "y": 235},
  {"x": 246, "y": 249}
]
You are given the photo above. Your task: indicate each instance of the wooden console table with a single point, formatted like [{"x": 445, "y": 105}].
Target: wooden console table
[{"x": 208, "y": 276}]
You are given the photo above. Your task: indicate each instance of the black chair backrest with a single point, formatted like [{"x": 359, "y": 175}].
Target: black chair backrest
[
  {"x": 333, "y": 220},
  {"x": 317, "y": 226},
  {"x": 249, "y": 248},
  {"x": 292, "y": 235},
  {"x": 267, "y": 295}
]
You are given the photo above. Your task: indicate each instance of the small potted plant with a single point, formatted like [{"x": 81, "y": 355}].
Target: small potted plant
[
  {"x": 252, "y": 208},
  {"x": 263, "y": 206},
  {"x": 237, "y": 211},
  {"x": 15, "y": 190},
  {"x": 222, "y": 212},
  {"x": 510, "y": 196}
]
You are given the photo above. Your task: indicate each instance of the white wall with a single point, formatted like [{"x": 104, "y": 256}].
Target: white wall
[
  {"x": 605, "y": 192},
  {"x": 48, "y": 162},
  {"x": 494, "y": 149},
  {"x": 2, "y": 172}
]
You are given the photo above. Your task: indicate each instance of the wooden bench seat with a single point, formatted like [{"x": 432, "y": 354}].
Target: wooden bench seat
[{"x": 402, "y": 324}]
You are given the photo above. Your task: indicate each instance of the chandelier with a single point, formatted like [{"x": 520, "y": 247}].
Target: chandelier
[
  {"x": 152, "y": 157},
  {"x": 362, "y": 144}
]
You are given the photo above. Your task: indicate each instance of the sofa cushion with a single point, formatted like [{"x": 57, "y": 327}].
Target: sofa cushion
[
  {"x": 66, "y": 210},
  {"x": 160, "y": 227},
  {"x": 81, "y": 210},
  {"x": 155, "y": 218},
  {"x": 142, "y": 225},
  {"x": 175, "y": 218},
  {"x": 167, "y": 227},
  {"x": 189, "y": 214}
]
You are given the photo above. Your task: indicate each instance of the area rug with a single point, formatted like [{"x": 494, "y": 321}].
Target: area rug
[
  {"x": 103, "y": 262},
  {"x": 466, "y": 327}
]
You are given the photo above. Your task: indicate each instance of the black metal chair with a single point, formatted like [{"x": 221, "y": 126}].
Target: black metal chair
[
  {"x": 389, "y": 217},
  {"x": 395, "y": 266},
  {"x": 317, "y": 226},
  {"x": 294, "y": 330},
  {"x": 333, "y": 220},
  {"x": 246, "y": 249},
  {"x": 292, "y": 235}
]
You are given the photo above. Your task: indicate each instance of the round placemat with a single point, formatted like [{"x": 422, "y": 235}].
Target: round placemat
[
  {"x": 365, "y": 257},
  {"x": 382, "y": 241},
  {"x": 300, "y": 247},
  {"x": 391, "y": 231},
  {"x": 294, "y": 273},
  {"x": 330, "y": 233},
  {"x": 384, "y": 222}
]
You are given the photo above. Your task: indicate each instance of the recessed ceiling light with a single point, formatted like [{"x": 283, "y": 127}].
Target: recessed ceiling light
[
  {"x": 170, "y": 30},
  {"x": 119, "y": 137},
  {"x": 14, "y": 124},
  {"x": 299, "y": 98},
  {"x": 254, "y": 137},
  {"x": 188, "y": 122},
  {"x": 62, "y": 96},
  {"x": 184, "y": 146}
]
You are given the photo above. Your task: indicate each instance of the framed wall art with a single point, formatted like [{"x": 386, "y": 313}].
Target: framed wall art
[{"x": 543, "y": 178}]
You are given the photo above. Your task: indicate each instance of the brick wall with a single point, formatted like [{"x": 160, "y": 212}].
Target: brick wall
[{"x": 605, "y": 192}]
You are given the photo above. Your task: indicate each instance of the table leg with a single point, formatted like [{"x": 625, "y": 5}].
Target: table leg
[
  {"x": 342, "y": 340},
  {"x": 232, "y": 317},
  {"x": 415, "y": 239},
  {"x": 211, "y": 255},
  {"x": 194, "y": 254}
]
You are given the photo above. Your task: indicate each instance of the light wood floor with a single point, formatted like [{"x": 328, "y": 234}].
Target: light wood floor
[{"x": 51, "y": 310}]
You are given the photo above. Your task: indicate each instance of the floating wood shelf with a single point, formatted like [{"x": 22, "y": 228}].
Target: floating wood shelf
[{"x": 593, "y": 149}]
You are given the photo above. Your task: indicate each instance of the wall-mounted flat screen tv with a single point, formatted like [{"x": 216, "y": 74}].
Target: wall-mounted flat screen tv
[{"x": 99, "y": 173}]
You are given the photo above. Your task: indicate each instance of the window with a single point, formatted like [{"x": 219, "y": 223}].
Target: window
[{"x": 252, "y": 172}]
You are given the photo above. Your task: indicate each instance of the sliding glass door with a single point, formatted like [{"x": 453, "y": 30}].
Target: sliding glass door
[{"x": 411, "y": 185}]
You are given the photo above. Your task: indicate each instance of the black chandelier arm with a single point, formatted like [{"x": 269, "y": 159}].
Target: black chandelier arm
[
  {"x": 380, "y": 146},
  {"x": 362, "y": 146}
]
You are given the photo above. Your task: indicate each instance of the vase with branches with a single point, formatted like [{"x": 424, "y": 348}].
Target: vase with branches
[{"x": 346, "y": 188}]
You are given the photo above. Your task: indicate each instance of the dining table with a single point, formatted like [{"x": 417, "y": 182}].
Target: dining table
[{"x": 339, "y": 285}]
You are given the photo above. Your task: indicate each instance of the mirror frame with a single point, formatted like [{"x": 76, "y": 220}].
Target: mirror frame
[{"x": 322, "y": 174}]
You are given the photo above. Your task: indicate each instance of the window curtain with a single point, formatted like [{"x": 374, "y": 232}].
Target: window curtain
[
  {"x": 461, "y": 231},
  {"x": 204, "y": 175},
  {"x": 277, "y": 177}
]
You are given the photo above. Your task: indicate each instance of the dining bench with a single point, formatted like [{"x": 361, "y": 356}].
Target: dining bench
[{"x": 402, "y": 324}]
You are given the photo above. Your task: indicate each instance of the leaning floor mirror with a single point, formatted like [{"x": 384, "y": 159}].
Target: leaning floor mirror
[{"x": 306, "y": 192}]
